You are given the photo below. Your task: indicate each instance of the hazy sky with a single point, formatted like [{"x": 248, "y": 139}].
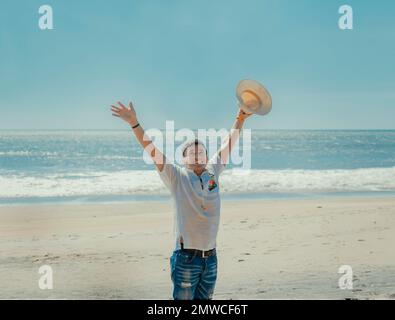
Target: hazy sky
[{"x": 181, "y": 60}]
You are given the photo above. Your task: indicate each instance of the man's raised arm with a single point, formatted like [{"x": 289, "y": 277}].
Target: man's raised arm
[
  {"x": 128, "y": 114},
  {"x": 234, "y": 135}
]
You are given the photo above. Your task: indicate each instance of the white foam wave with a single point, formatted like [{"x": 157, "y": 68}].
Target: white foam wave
[{"x": 143, "y": 182}]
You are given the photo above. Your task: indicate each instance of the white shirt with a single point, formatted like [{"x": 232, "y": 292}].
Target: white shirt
[{"x": 197, "y": 204}]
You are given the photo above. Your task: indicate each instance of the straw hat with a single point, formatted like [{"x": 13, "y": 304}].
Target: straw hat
[{"x": 253, "y": 97}]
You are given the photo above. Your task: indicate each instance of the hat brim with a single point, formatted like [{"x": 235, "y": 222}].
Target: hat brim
[{"x": 260, "y": 91}]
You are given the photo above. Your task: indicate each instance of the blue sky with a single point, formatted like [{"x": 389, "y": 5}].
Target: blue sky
[{"x": 181, "y": 60}]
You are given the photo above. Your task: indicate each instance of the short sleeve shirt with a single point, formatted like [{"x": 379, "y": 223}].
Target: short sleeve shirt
[{"x": 197, "y": 203}]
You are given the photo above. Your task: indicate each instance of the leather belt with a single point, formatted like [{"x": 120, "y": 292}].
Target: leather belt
[{"x": 200, "y": 253}]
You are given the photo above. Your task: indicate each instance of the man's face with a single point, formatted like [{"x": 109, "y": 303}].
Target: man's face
[{"x": 195, "y": 156}]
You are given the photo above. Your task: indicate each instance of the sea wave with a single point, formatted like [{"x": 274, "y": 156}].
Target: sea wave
[
  {"x": 22, "y": 153},
  {"x": 146, "y": 182}
]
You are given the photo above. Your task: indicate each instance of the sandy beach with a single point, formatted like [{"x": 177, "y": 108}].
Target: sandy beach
[{"x": 267, "y": 249}]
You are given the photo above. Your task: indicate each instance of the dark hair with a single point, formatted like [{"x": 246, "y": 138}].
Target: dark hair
[{"x": 194, "y": 142}]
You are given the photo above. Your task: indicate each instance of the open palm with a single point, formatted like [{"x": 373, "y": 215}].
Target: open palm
[{"x": 127, "y": 114}]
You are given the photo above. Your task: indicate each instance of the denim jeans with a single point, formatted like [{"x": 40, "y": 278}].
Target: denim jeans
[{"x": 193, "y": 277}]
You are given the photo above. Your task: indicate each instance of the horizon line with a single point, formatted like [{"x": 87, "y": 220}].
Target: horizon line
[{"x": 127, "y": 129}]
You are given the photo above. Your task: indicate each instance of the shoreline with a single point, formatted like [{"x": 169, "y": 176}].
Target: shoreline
[
  {"x": 114, "y": 199},
  {"x": 267, "y": 249}
]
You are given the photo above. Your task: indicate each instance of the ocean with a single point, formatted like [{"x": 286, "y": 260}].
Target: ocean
[{"x": 39, "y": 166}]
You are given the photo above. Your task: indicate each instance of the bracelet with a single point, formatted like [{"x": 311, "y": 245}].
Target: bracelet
[{"x": 134, "y": 127}]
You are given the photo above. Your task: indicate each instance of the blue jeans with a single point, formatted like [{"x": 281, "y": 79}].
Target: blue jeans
[{"x": 193, "y": 277}]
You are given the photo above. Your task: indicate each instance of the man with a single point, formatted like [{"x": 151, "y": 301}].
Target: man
[{"x": 195, "y": 191}]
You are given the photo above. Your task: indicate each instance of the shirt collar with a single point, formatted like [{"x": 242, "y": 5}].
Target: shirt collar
[{"x": 193, "y": 172}]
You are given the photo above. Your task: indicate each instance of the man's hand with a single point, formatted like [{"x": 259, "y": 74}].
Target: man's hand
[
  {"x": 127, "y": 114},
  {"x": 243, "y": 115}
]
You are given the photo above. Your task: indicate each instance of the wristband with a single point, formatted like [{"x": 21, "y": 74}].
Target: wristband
[{"x": 134, "y": 127}]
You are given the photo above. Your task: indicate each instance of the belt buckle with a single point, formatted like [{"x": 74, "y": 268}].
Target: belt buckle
[{"x": 203, "y": 255}]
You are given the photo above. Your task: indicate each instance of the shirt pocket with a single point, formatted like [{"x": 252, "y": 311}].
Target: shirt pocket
[{"x": 212, "y": 185}]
